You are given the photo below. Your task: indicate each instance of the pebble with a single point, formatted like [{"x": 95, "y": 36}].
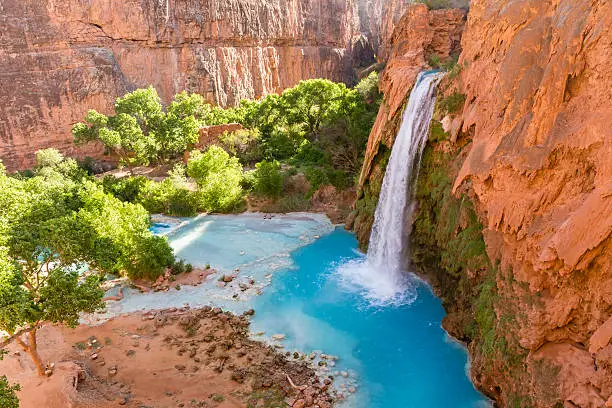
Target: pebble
[
  {"x": 344, "y": 374},
  {"x": 278, "y": 337}
]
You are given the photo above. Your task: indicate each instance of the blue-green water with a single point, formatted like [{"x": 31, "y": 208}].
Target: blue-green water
[
  {"x": 310, "y": 285},
  {"x": 400, "y": 355}
]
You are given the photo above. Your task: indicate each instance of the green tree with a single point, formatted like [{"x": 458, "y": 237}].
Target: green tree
[
  {"x": 30, "y": 295},
  {"x": 218, "y": 176},
  {"x": 268, "y": 179},
  {"x": 314, "y": 103},
  {"x": 49, "y": 225},
  {"x": 48, "y": 158},
  {"x": 141, "y": 131}
]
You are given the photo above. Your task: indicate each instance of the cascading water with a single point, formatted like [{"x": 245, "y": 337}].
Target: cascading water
[{"x": 381, "y": 276}]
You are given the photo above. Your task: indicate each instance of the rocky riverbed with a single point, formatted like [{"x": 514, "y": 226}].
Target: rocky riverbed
[{"x": 178, "y": 357}]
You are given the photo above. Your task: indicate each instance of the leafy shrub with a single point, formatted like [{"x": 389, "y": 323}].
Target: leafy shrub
[
  {"x": 8, "y": 394},
  {"x": 453, "y": 103},
  {"x": 268, "y": 179},
  {"x": 244, "y": 144},
  {"x": 48, "y": 158},
  {"x": 316, "y": 177},
  {"x": 219, "y": 178},
  {"x": 124, "y": 188}
]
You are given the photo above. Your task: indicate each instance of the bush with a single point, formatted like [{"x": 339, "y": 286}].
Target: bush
[
  {"x": 8, "y": 395},
  {"x": 219, "y": 178},
  {"x": 316, "y": 177},
  {"x": 125, "y": 188},
  {"x": 48, "y": 158},
  {"x": 268, "y": 180},
  {"x": 244, "y": 144},
  {"x": 453, "y": 103}
]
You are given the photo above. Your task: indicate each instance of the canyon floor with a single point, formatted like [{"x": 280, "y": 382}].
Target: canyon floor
[{"x": 168, "y": 358}]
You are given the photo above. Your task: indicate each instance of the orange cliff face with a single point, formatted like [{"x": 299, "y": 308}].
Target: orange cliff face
[
  {"x": 538, "y": 87},
  {"x": 59, "y": 58}
]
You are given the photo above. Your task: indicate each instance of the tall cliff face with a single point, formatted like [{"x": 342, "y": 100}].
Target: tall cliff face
[
  {"x": 538, "y": 83},
  {"x": 59, "y": 58},
  {"x": 530, "y": 148}
]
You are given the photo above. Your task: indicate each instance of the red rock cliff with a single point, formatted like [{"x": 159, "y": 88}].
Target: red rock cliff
[
  {"x": 538, "y": 84},
  {"x": 59, "y": 58}
]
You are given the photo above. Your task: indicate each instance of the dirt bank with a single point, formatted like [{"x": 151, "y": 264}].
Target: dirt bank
[{"x": 170, "y": 358}]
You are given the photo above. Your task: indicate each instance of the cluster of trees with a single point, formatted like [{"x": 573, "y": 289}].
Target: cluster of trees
[
  {"x": 318, "y": 126},
  {"x": 142, "y": 132},
  {"x": 53, "y": 226}
]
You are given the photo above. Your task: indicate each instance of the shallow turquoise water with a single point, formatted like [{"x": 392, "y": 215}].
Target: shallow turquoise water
[
  {"x": 395, "y": 354},
  {"x": 400, "y": 355}
]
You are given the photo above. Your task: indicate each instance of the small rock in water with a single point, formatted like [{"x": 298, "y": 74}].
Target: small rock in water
[
  {"x": 352, "y": 390},
  {"x": 344, "y": 374},
  {"x": 278, "y": 337},
  {"x": 221, "y": 284},
  {"x": 312, "y": 356},
  {"x": 317, "y": 236},
  {"x": 241, "y": 252},
  {"x": 228, "y": 278},
  {"x": 260, "y": 333}
]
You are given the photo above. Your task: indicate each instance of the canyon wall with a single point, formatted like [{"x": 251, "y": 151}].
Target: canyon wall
[
  {"x": 59, "y": 58},
  {"x": 514, "y": 227},
  {"x": 538, "y": 87}
]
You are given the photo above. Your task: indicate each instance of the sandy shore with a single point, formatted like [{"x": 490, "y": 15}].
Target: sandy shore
[{"x": 170, "y": 358}]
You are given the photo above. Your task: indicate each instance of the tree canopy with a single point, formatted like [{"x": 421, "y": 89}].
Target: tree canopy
[
  {"x": 53, "y": 224},
  {"x": 141, "y": 131}
]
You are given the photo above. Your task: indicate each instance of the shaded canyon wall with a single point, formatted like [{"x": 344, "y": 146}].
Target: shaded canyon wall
[{"x": 59, "y": 58}]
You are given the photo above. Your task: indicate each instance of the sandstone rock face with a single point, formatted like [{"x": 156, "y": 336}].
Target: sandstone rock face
[
  {"x": 538, "y": 84},
  {"x": 59, "y": 58}
]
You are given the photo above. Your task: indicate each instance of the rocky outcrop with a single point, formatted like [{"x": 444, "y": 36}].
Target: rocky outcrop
[
  {"x": 538, "y": 83},
  {"x": 419, "y": 34},
  {"x": 59, "y": 58}
]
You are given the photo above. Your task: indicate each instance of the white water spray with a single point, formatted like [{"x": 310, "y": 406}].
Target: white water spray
[{"x": 381, "y": 277}]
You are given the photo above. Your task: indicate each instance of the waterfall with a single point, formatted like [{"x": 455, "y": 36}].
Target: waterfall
[
  {"x": 381, "y": 276},
  {"x": 387, "y": 240}
]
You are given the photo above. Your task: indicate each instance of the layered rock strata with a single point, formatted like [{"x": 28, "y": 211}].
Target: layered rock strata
[{"x": 59, "y": 58}]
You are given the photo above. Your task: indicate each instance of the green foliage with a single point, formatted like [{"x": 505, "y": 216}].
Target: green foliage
[
  {"x": 141, "y": 132},
  {"x": 48, "y": 158},
  {"x": 51, "y": 161},
  {"x": 171, "y": 196},
  {"x": 313, "y": 103},
  {"x": 268, "y": 180},
  {"x": 244, "y": 144},
  {"x": 218, "y": 176},
  {"x": 453, "y": 103},
  {"x": 51, "y": 221},
  {"x": 436, "y": 132},
  {"x": 8, "y": 394},
  {"x": 368, "y": 88},
  {"x": 124, "y": 188}
]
